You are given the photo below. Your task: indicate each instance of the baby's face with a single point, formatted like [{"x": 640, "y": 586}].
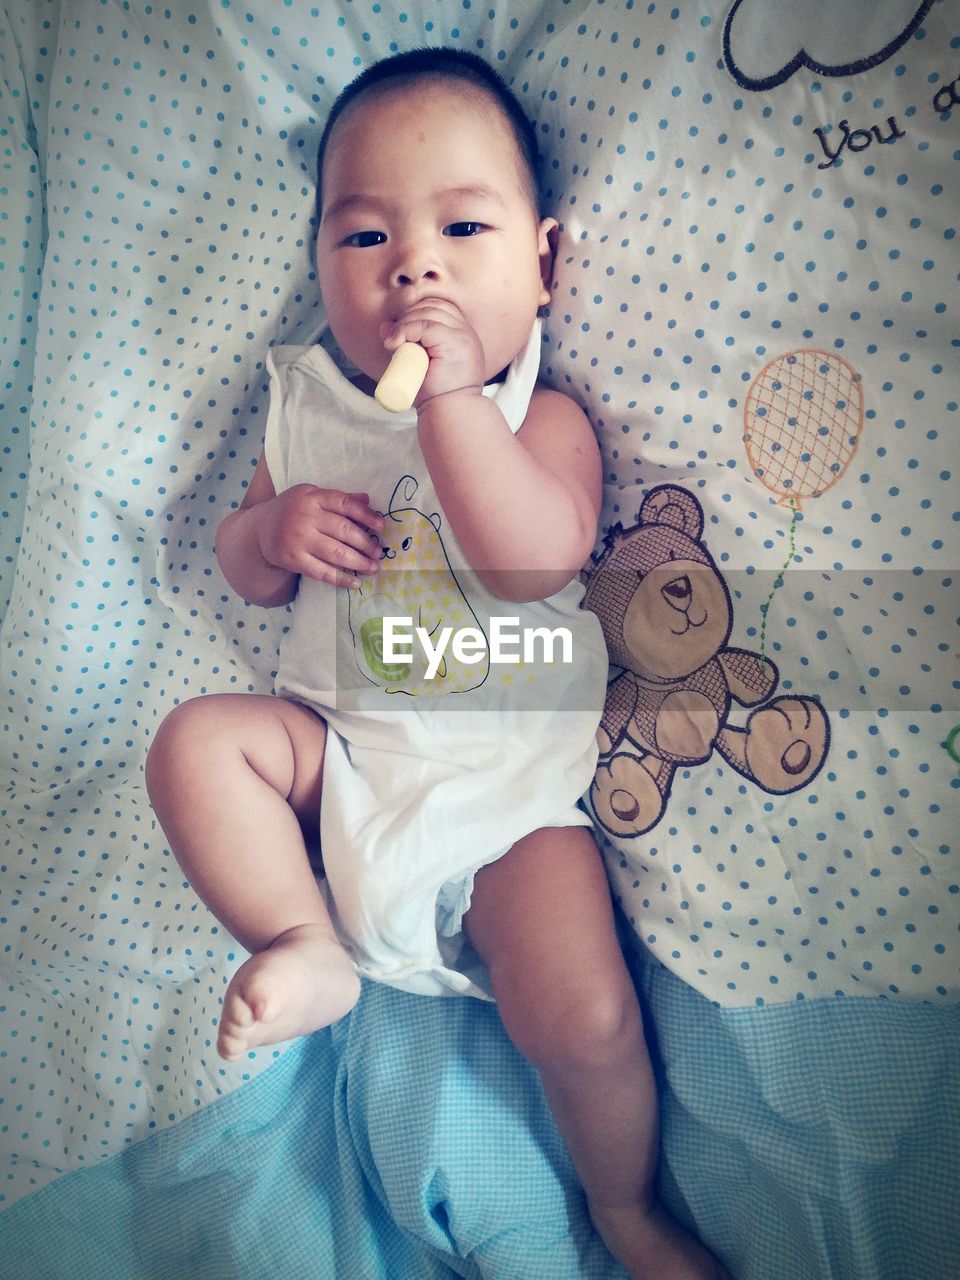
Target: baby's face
[{"x": 423, "y": 197}]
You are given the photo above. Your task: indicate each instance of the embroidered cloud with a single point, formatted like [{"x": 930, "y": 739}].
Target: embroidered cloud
[{"x": 766, "y": 41}]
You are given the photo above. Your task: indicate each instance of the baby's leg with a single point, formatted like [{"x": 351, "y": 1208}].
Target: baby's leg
[
  {"x": 542, "y": 919},
  {"x": 231, "y": 778}
]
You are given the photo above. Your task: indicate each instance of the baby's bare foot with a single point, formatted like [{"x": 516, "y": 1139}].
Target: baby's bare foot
[
  {"x": 303, "y": 981},
  {"x": 652, "y": 1246}
]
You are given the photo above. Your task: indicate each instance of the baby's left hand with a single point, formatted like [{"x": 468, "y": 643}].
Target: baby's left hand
[{"x": 451, "y": 342}]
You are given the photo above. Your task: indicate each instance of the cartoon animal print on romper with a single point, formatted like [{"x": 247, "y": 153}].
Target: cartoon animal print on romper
[
  {"x": 666, "y": 615},
  {"x": 415, "y": 581}
]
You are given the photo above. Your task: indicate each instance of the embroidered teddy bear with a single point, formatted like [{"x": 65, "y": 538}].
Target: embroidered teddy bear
[{"x": 667, "y": 617}]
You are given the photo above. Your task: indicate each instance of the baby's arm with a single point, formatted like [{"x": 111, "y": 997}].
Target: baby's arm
[
  {"x": 524, "y": 507},
  {"x": 271, "y": 539}
]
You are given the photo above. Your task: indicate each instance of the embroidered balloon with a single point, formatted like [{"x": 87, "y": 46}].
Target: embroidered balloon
[{"x": 801, "y": 423}]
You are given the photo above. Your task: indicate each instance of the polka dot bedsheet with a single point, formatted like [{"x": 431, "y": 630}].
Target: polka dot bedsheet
[{"x": 756, "y": 302}]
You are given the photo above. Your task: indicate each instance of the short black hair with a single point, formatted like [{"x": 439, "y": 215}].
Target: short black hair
[{"x": 444, "y": 64}]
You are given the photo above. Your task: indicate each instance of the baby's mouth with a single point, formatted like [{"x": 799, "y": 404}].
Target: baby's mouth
[{"x": 424, "y": 297}]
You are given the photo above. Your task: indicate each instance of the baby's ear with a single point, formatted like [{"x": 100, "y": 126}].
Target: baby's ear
[{"x": 547, "y": 235}]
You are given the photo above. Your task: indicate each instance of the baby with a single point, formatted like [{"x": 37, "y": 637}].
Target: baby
[{"x": 444, "y": 792}]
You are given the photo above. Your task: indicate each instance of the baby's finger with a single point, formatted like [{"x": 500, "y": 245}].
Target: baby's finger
[
  {"x": 369, "y": 513},
  {"x": 426, "y": 323},
  {"x": 319, "y": 571},
  {"x": 436, "y": 308},
  {"x": 364, "y": 515},
  {"x": 349, "y": 509},
  {"x": 356, "y": 507},
  {"x": 341, "y": 554}
]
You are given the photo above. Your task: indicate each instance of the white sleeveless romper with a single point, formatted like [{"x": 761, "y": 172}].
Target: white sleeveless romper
[{"x": 426, "y": 779}]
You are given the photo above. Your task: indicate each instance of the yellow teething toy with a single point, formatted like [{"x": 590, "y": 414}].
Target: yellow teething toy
[{"x": 402, "y": 378}]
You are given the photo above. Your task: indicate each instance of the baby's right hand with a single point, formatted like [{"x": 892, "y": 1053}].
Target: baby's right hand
[{"x": 324, "y": 534}]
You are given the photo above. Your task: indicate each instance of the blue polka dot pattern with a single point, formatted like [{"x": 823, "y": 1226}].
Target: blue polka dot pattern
[
  {"x": 708, "y": 232},
  {"x": 708, "y": 235}
]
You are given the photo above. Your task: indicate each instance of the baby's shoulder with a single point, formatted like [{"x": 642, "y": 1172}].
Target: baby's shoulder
[{"x": 550, "y": 406}]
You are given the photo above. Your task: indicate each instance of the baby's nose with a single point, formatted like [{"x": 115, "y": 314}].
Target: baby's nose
[{"x": 414, "y": 266}]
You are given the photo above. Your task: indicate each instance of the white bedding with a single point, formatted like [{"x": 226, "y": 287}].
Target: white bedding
[{"x": 726, "y": 200}]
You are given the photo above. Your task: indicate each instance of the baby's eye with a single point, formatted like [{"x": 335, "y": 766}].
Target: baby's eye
[
  {"x": 463, "y": 229},
  {"x": 365, "y": 239}
]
